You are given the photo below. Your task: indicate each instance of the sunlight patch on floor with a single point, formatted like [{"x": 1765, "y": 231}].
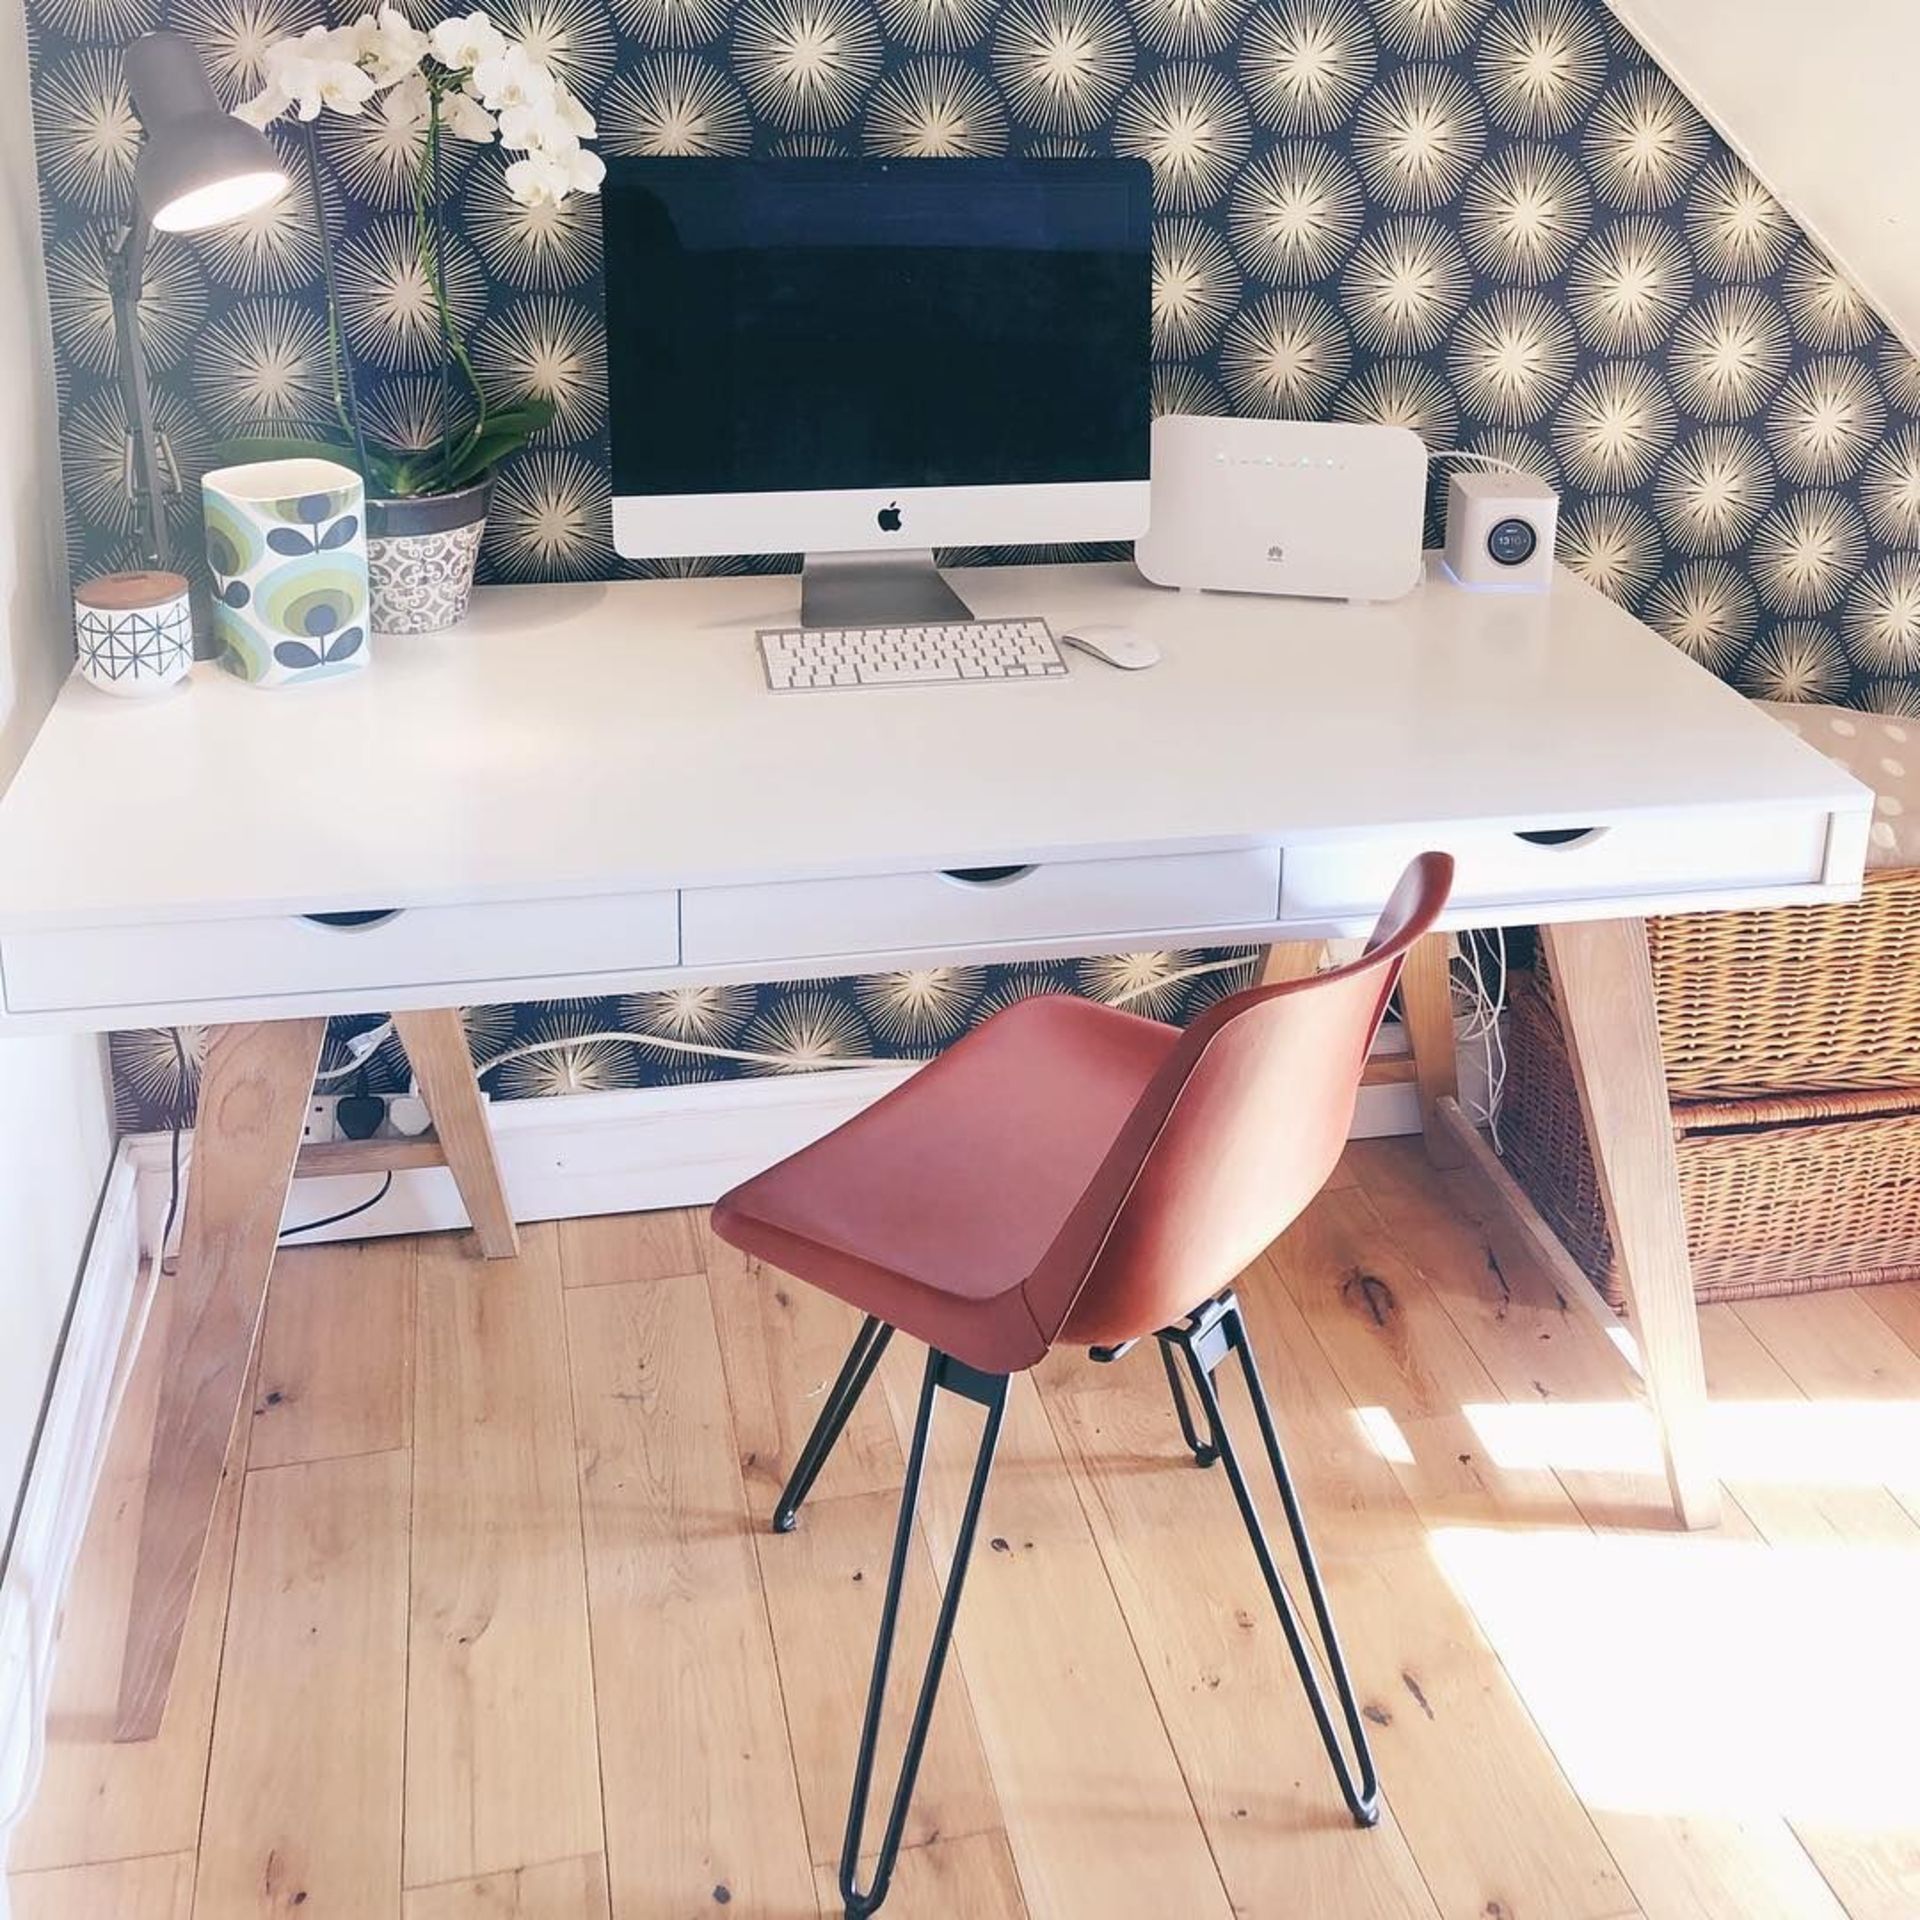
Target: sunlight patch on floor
[
  {"x": 1688, "y": 1675},
  {"x": 1831, "y": 1443}
]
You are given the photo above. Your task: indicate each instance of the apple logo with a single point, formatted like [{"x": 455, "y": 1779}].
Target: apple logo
[{"x": 889, "y": 518}]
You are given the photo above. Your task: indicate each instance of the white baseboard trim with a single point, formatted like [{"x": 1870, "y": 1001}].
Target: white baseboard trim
[
  {"x": 633, "y": 1150},
  {"x": 101, "y": 1339}
]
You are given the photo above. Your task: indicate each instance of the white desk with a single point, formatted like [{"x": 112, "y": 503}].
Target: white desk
[{"x": 587, "y": 790}]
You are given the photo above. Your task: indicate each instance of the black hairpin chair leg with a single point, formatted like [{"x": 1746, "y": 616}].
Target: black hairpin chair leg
[
  {"x": 987, "y": 1390},
  {"x": 1206, "y": 1339},
  {"x": 844, "y": 1395},
  {"x": 1204, "y": 1452}
]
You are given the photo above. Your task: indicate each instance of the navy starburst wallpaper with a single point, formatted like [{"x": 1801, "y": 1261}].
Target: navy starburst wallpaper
[{"x": 1492, "y": 220}]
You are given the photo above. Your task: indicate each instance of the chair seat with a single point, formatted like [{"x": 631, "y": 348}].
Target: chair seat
[{"x": 931, "y": 1207}]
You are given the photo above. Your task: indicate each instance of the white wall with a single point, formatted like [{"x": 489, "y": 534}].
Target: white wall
[
  {"x": 1819, "y": 101},
  {"x": 54, "y": 1112}
]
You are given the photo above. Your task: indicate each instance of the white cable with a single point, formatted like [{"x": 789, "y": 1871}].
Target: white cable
[
  {"x": 1436, "y": 454},
  {"x": 360, "y": 1049}
]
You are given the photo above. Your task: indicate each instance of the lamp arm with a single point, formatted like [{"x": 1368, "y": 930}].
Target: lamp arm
[{"x": 126, "y": 270}]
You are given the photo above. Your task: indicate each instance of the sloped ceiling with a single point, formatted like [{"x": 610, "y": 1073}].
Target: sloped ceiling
[{"x": 1819, "y": 100}]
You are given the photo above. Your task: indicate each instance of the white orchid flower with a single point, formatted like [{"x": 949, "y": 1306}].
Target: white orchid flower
[
  {"x": 538, "y": 180},
  {"x": 264, "y": 108},
  {"x": 515, "y": 79},
  {"x": 388, "y": 46},
  {"x": 466, "y": 41},
  {"x": 410, "y": 103},
  {"x": 575, "y": 117},
  {"x": 465, "y": 118}
]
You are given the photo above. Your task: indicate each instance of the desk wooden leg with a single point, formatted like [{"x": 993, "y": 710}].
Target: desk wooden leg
[
  {"x": 1426, "y": 1008},
  {"x": 436, "y": 1046},
  {"x": 1604, "y": 984},
  {"x": 254, "y": 1091},
  {"x": 1291, "y": 960}
]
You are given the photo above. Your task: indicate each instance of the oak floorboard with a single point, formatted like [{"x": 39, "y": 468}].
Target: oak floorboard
[
  {"x": 336, "y": 1354},
  {"x": 154, "y": 1887},
  {"x": 612, "y": 1248},
  {"x": 557, "y": 1890},
  {"x": 703, "y": 1808},
  {"x": 304, "y": 1783}
]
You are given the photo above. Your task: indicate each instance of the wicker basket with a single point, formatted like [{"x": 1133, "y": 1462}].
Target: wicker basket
[
  {"x": 1792, "y": 1000},
  {"x": 1787, "y": 1194}
]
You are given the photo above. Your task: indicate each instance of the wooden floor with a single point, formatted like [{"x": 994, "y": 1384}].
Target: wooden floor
[{"x": 493, "y": 1626}]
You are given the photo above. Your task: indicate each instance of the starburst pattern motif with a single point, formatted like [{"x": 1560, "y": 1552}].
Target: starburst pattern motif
[
  {"x": 89, "y": 137},
  {"x": 1062, "y": 63},
  {"x": 1295, "y": 213},
  {"x": 274, "y": 247},
  {"x": 232, "y": 37},
  {"x": 1524, "y": 212},
  {"x": 1191, "y": 126},
  {"x": 1512, "y": 358},
  {"x": 1736, "y": 226},
  {"x": 1305, "y": 63},
  {"x": 715, "y": 1015},
  {"x": 1643, "y": 142},
  {"x": 1403, "y": 393},
  {"x": 1144, "y": 983},
  {"x": 1285, "y": 356},
  {"x": 264, "y": 366},
  {"x": 1881, "y": 626},
  {"x": 921, "y": 1008},
  {"x": 387, "y": 305},
  {"x": 1187, "y": 27},
  {"x": 1799, "y": 660},
  {"x": 173, "y": 304},
  {"x": 1178, "y": 389},
  {"x": 803, "y": 1029},
  {"x": 410, "y": 410},
  {"x": 1417, "y": 137},
  {"x": 806, "y": 63},
  {"x": 148, "y": 1073},
  {"x": 374, "y": 155},
  {"x": 1712, "y": 490},
  {"x": 1900, "y": 373},
  {"x": 1706, "y": 609},
  {"x": 96, "y": 457},
  {"x": 1807, "y": 552},
  {"x": 1729, "y": 354},
  {"x": 1196, "y": 286},
  {"x": 1613, "y": 545},
  {"x": 671, "y": 23},
  {"x": 1423, "y": 28},
  {"x": 936, "y": 23},
  {"x": 1828, "y": 313},
  {"x": 674, "y": 105},
  {"x": 567, "y": 1050},
  {"x": 571, "y": 36},
  {"x": 550, "y": 518},
  {"x": 546, "y": 348},
  {"x": 537, "y": 246},
  {"x": 1405, "y": 286},
  {"x": 1613, "y": 427},
  {"x": 936, "y": 109},
  {"x": 1627, "y": 285},
  {"x": 1890, "y": 489},
  {"x": 1541, "y": 63},
  {"x": 115, "y": 21},
  {"x": 1825, "y": 421}
]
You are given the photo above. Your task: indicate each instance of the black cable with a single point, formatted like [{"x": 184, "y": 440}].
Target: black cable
[
  {"x": 334, "y": 1219},
  {"x": 173, "y": 1191}
]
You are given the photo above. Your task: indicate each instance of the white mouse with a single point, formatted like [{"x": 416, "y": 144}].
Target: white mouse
[{"x": 1117, "y": 646}]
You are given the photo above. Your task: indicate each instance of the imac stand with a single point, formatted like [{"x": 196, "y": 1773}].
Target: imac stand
[{"x": 877, "y": 590}]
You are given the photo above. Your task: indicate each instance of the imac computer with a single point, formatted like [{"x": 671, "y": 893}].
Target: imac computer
[{"x": 862, "y": 360}]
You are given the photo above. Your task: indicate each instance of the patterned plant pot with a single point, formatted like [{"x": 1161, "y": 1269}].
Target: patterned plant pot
[
  {"x": 421, "y": 554},
  {"x": 135, "y": 632},
  {"x": 287, "y": 543}
]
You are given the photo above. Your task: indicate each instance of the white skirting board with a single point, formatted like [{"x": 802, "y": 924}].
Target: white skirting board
[{"x": 632, "y": 1150}]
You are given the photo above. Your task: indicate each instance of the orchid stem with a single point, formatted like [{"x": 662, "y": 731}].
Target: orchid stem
[{"x": 346, "y": 397}]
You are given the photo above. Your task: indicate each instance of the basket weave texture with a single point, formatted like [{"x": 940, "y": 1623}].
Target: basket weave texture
[{"x": 1783, "y": 1193}]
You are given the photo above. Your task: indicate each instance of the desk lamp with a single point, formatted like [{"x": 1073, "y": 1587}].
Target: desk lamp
[{"x": 199, "y": 167}]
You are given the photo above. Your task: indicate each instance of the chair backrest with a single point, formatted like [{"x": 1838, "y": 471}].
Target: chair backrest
[{"x": 1236, "y": 1133}]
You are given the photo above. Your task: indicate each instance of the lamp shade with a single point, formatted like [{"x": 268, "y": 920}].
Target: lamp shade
[{"x": 199, "y": 166}]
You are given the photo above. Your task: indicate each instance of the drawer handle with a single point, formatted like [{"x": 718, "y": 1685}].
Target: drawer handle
[
  {"x": 1561, "y": 837},
  {"x": 985, "y": 876},
  {"x": 355, "y": 922}
]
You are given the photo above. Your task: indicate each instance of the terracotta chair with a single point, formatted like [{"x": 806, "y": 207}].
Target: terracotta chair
[{"x": 1072, "y": 1174}]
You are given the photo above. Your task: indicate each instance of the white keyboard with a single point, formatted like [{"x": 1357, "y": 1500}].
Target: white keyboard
[{"x": 800, "y": 658}]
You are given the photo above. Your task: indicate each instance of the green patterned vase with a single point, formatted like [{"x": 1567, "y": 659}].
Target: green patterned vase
[{"x": 287, "y": 543}]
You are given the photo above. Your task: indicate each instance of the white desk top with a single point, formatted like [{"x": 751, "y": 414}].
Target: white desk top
[{"x": 586, "y": 739}]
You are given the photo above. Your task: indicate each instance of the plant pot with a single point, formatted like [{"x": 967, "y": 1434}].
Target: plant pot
[{"x": 421, "y": 553}]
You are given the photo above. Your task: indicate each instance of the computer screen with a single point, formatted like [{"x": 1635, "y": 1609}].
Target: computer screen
[{"x": 912, "y": 327}]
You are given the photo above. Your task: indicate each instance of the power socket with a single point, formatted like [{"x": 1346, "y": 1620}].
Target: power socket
[{"x": 323, "y": 1120}]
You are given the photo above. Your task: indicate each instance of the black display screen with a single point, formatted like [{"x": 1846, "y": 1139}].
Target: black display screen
[{"x": 783, "y": 326}]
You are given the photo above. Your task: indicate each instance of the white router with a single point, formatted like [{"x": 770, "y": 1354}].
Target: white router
[{"x": 1328, "y": 511}]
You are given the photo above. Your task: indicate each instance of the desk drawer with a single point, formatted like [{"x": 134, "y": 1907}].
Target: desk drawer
[
  {"x": 1631, "y": 858},
  {"x": 289, "y": 954},
  {"x": 982, "y": 906}
]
